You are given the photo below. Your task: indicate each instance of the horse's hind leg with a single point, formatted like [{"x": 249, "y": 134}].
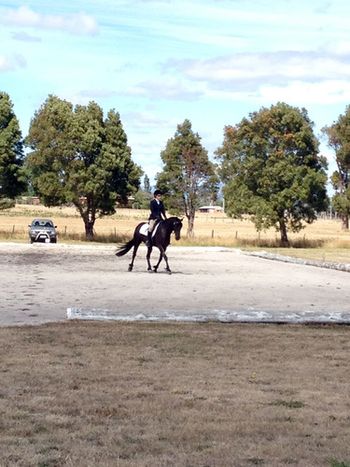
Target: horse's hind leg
[
  {"x": 167, "y": 264},
  {"x": 148, "y": 257},
  {"x": 131, "y": 265}
]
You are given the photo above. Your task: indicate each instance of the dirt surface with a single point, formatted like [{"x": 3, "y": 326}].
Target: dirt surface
[{"x": 40, "y": 282}]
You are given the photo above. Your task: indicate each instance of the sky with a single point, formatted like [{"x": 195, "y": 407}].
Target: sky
[{"x": 158, "y": 63}]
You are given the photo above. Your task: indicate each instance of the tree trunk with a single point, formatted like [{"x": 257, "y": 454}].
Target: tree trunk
[
  {"x": 190, "y": 226},
  {"x": 345, "y": 222},
  {"x": 89, "y": 229},
  {"x": 88, "y": 214},
  {"x": 89, "y": 218},
  {"x": 283, "y": 232}
]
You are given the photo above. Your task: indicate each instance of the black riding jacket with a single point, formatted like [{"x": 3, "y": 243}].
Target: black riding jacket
[{"x": 157, "y": 210}]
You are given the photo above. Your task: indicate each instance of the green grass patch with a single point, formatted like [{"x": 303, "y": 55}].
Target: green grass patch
[
  {"x": 292, "y": 404},
  {"x": 336, "y": 463}
]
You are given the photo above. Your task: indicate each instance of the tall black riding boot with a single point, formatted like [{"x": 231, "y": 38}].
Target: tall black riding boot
[{"x": 149, "y": 239}]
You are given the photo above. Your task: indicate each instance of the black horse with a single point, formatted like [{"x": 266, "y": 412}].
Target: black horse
[{"x": 160, "y": 239}]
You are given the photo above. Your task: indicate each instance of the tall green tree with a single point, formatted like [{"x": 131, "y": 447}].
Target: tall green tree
[
  {"x": 271, "y": 169},
  {"x": 143, "y": 195},
  {"x": 339, "y": 140},
  {"x": 12, "y": 181},
  {"x": 146, "y": 184},
  {"x": 81, "y": 158},
  {"x": 188, "y": 175}
]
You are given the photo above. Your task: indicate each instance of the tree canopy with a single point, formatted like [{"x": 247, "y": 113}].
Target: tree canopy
[
  {"x": 271, "y": 169},
  {"x": 81, "y": 158},
  {"x": 12, "y": 180},
  {"x": 339, "y": 140},
  {"x": 188, "y": 176}
]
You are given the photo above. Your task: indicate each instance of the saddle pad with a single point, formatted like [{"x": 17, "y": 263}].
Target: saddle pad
[{"x": 144, "y": 229}]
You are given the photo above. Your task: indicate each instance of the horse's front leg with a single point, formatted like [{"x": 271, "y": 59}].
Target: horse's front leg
[
  {"x": 131, "y": 265},
  {"x": 161, "y": 256},
  {"x": 155, "y": 268},
  {"x": 148, "y": 257}
]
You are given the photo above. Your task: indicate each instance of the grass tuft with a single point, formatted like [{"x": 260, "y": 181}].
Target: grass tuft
[
  {"x": 292, "y": 404},
  {"x": 336, "y": 463}
]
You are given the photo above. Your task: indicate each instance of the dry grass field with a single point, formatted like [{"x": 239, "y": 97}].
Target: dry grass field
[
  {"x": 126, "y": 394},
  {"x": 323, "y": 240}
]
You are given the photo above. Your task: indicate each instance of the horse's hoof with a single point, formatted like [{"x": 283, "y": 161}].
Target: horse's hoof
[
  {"x": 149, "y": 270},
  {"x": 168, "y": 271},
  {"x": 130, "y": 268},
  {"x": 154, "y": 269}
]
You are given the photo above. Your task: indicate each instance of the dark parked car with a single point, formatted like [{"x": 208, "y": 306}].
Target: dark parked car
[{"x": 42, "y": 230}]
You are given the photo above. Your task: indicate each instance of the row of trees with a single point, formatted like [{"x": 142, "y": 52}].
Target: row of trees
[{"x": 269, "y": 165}]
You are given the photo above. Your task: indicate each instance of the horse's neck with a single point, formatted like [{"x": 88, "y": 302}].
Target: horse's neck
[{"x": 168, "y": 231}]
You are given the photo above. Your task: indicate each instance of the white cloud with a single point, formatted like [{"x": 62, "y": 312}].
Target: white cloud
[
  {"x": 23, "y": 16},
  {"x": 146, "y": 119},
  {"x": 11, "y": 63},
  {"x": 170, "y": 89},
  {"x": 341, "y": 47},
  {"x": 24, "y": 37},
  {"x": 301, "y": 93},
  {"x": 280, "y": 76},
  {"x": 278, "y": 66},
  {"x": 5, "y": 64}
]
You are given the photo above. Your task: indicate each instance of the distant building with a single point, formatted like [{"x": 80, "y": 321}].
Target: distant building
[{"x": 211, "y": 209}]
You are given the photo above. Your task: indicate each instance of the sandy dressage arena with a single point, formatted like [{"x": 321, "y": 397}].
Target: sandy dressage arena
[{"x": 43, "y": 282}]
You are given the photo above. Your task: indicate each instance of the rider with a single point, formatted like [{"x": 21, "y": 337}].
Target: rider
[{"x": 157, "y": 214}]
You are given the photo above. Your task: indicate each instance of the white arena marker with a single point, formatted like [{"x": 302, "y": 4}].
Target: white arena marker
[{"x": 222, "y": 316}]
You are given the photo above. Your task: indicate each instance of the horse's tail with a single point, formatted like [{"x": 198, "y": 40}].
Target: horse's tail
[{"x": 125, "y": 248}]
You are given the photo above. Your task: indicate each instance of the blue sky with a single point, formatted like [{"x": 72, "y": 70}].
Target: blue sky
[{"x": 160, "y": 62}]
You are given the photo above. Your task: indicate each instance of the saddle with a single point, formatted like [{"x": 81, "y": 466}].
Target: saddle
[{"x": 144, "y": 229}]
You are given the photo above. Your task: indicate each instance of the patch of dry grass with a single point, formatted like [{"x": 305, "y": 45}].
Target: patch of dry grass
[
  {"x": 323, "y": 254},
  {"x": 131, "y": 394}
]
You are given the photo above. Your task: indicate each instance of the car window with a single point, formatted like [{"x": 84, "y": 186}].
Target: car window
[{"x": 42, "y": 223}]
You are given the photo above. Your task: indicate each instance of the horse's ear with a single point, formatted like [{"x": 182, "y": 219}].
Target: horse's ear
[{"x": 181, "y": 219}]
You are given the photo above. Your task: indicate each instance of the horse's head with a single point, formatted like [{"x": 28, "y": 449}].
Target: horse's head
[{"x": 177, "y": 226}]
